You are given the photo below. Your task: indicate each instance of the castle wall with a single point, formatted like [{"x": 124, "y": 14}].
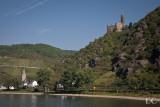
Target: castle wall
[
  {"x": 110, "y": 28},
  {"x": 118, "y": 27}
]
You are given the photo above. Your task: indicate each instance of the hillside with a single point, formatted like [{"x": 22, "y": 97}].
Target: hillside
[
  {"x": 14, "y": 58},
  {"x": 128, "y": 58},
  {"x": 139, "y": 59},
  {"x": 37, "y": 51}
]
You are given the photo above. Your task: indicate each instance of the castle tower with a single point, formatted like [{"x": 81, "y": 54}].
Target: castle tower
[
  {"x": 23, "y": 76},
  {"x": 123, "y": 20}
]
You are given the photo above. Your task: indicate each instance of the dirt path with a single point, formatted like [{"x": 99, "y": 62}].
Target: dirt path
[{"x": 19, "y": 66}]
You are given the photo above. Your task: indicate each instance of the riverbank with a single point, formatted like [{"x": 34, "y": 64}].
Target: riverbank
[
  {"x": 20, "y": 93},
  {"x": 105, "y": 96},
  {"x": 84, "y": 95}
]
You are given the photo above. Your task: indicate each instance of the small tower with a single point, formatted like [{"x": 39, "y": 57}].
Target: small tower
[
  {"x": 123, "y": 20},
  {"x": 23, "y": 76}
]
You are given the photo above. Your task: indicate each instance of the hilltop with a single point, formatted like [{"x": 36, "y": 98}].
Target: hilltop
[
  {"x": 127, "y": 59},
  {"x": 33, "y": 51}
]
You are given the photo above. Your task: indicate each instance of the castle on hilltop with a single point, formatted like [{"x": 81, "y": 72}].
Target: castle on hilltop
[{"x": 118, "y": 27}]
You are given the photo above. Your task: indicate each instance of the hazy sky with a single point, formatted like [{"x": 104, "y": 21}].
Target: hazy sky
[{"x": 66, "y": 24}]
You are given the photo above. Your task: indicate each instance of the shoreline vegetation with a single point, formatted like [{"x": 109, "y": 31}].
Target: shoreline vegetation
[{"x": 116, "y": 96}]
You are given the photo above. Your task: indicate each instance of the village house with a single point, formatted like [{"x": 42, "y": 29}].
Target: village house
[{"x": 32, "y": 83}]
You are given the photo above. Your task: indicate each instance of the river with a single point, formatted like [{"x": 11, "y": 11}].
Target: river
[{"x": 7, "y": 100}]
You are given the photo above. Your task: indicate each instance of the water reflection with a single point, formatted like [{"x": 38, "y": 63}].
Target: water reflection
[
  {"x": 66, "y": 101},
  {"x": 22, "y": 101},
  {"x": 63, "y": 97},
  {"x": 11, "y": 97},
  {"x": 34, "y": 101},
  {"x": 73, "y": 98}
]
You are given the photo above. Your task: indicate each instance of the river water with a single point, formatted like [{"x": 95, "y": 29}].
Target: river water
[{"x": 65, "y": 101}]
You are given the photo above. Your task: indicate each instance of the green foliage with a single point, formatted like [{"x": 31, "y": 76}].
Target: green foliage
[
  {"x": 153, "y": 20},
  {"x": 16, "y": 66},
  {"x": 142, "y": 55},
  {"x": 143, "y": 81},
  {"x": 15, "y": 82},
  {"x": 89, "y": 76},
  {"x": 130, "y": 25},
  {"x": 83, "y": 77},
  {"x": 130, "y": 57},
  {"x": 140, "y": 65},
  {"x": 66, "y": 79},
  {"x": 7, "y": 83},
  {"x": 151, "y": 68},
  {"x": 77, "y": 79},
  {"x": 37, "y": 51},
  {"x": 97, "y": 53},
  {"x": 43, "y": 78},
  {"x": 107, "y": 79}
]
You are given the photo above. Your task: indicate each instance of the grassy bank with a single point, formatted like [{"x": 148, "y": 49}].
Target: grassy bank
[{"x": 12, "y": 91}]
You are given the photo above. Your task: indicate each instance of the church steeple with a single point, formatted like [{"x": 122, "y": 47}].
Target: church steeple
[{"x": 23, "y": 76}]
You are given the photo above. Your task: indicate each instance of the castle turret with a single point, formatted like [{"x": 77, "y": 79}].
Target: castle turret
[{"x": 123, "y": 20}]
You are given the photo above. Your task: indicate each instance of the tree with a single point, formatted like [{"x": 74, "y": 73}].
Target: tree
[
  {"x": 83, "y": 77},
  {"x": 143, "y": 81},
  {"x": 79, "y": 78},
  {"x": 15, "y": 82},
  {"x": 66, "y": 79},
  {"x": 52, "y": 79},
  {"x": 43, "y": 78},
  {"x": 76, "y": 78},
  {"x": 88, "y": 72},
  {"x": 134, "y": 82},
  {"x": 7, "y": 83},
  {"x": 130, "y": 25}
]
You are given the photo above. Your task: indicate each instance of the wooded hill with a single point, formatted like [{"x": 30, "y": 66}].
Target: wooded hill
[
  {"x": 36, "y": 51},
  {"x": 15, "y": 58},
  {"x": 129, "y": 59}
]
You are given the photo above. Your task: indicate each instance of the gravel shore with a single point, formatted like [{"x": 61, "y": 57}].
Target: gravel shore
[{"x": 105, "y": 96}]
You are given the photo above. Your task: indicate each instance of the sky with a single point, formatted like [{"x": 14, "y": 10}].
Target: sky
[{"x": 65, "y": 24}]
